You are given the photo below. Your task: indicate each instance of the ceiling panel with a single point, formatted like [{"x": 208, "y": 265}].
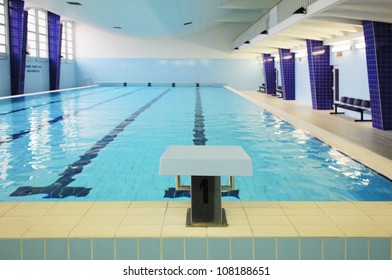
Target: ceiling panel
[{"x": 158, "y": 18}]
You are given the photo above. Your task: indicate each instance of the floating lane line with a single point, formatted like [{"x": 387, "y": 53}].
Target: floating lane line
[
  {"x": 60, "y": 189},
  {"x": 12, "y": 137}
]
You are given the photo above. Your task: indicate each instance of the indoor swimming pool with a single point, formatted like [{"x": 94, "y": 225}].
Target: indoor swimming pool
[{"x": 104, "y": 144}]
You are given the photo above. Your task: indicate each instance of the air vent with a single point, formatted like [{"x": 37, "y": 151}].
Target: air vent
[{"x": 75, "y": 3}]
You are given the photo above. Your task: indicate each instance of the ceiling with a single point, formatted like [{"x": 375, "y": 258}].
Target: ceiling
[
  {"x": 340, "y": 23},
  {"x": 158, "y": 18},
  {"x": 332, "y": 23}
]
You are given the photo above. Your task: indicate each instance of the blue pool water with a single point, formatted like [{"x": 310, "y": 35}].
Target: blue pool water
[{"x": 104, "y": 143}]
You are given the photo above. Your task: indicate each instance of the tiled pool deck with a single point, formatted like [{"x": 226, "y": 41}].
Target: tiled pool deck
[
  {"x": 257, "y": 230},
  {"x": 156, "y": 230}
]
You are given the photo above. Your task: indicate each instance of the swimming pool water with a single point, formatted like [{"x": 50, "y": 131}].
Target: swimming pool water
[{"x": 104, "y": 144}]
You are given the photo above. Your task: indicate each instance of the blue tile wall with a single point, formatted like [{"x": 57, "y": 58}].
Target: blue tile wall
[
  {"x": 218, "y": 248},
  {"x": 320, "y": 72},
  {"x": 334, "y": 249},
  {"x": 269, "y": 74},
  {"x": 57, "y": 249},
  {"x": 80, "y": 249},
  {"x": 173, "y": 249},
  {"x": 241, "y": 249},
  {"x": 357, "y": 248},
  {"x": 10, "y": 250},
  {"x": 265, "y": 248},
  {"x": 103, "y": 249},
  {"x": 311, "y": 249},
  {"x": 126, "y": 249},
  {"x": 288, "y": 249},
  {"x": 149, "y": 249},
  {"x": 33, "y": 249},
  {"x": 196, "y": 249},
  {"x": 287, "y": 69},
  {"x": 378, "y": 38},
  {"x": 380, "y": 249}
]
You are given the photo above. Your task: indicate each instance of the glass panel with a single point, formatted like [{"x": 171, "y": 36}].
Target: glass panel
[
  {"x": 2, "y": 29},
  {"x": 43, "y": 54},
  {"x": 2, "y": 19},
  {"x": 31, "y": 36},
  {"x": 31, "y": 12},
  {"x": 2, "y": 39},
  {"x": 43, "y": 38},
  {"x": 2, "y": 49},
  {"x": 32, "y": 52},
  {"x": 70, "y": 56},
  {"x": 31, "y": 27},
  {"x": 43, "y": 46},
  {"x": 42, "y": 22},
  {"x": 2, "y": 10},
  {"x": 41, "y": 14},
  {"x": 42, "y": 30},
  {"x": 70, "y": 50}
]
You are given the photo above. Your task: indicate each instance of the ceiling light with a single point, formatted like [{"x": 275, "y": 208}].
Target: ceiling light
[
  {"x": 300, "y": 11},
  {"x": 361, "y": 45},
  {"x": 341, "y": 48},
  {"x": 75, "y": 3},
  {"x": 188, "y": 23},
  {"x": 117, "y": 27}
]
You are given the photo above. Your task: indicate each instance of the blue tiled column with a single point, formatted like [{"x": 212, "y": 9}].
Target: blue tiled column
[
  {"x": 378, "y": 38},
  {"x": 17, "y": 32},
  {"x": 269, "y": 73},
  {"x": 287, "y": 68},
  {"x": 320, "y": 75},
  {"x": 54, "y": 40}
]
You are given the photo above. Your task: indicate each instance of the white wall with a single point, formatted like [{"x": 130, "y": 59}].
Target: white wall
[
  {"x": 303, "y": 92},
  {"x": 353, "y": 78},
  {"x": 205, "y": 57},
  {"x": 5, "y": 82}
]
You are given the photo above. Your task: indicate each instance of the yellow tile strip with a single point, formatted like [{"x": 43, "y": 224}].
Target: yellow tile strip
[{"x": 167, "y": 219}]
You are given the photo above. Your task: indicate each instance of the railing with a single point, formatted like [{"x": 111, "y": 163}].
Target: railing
[
  {"x": 89, "y": 81},
  {"x": 286, "y": 8},
  {"x": 276, "y": 15}
]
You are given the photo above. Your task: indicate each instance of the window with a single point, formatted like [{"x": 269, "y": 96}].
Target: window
[
  {"x": 37, "y": 33},
  {"x": 67, "y": 43},
  {"x": 3, "y": 39}
]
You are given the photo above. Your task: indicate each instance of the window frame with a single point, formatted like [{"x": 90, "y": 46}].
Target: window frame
[
  {"x": 39, "y": 36},
  {"x": 68, "y": 42},
  {"x": 4, "y": 54}
]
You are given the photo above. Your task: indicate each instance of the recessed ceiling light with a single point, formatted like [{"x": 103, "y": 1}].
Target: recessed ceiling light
[
  {"x": 74, "y": 3},
  {"x": 188, "y": 23}
]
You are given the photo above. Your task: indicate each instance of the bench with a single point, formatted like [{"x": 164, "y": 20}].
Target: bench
[
  {"x": 352, "y": 104},
  {"x": 262, "y": 88},
  {"x": 205, "y": 165},
  {"x": 279, "y": 92}
]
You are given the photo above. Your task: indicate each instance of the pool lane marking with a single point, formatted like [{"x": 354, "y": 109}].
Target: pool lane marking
[
  {"x": 199, "y": 138},
  {"x": 14, "y": 136},
  {"x": 48, "y": 103},
  {"x": 59, "y": 188}
]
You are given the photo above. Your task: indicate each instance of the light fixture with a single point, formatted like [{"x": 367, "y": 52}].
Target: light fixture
[
  {"x": 117, "y": 27},
  {"x": 361, "y": 45},
  {"x": 319, "y": 52},
  {"x": 75, "y": 3},
  {"x": 188, "y": 23},
  {"x": 342, "y": 48},
  {"x": 260, "y": 36},
  {"x": 300, "y": 11}
]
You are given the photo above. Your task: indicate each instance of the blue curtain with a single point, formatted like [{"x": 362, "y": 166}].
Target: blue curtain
[
  {"x": 18, "y": 35},
  {"x": 54, "y": 39}
]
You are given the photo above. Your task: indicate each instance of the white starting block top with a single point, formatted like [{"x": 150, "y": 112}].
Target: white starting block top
[{"x": 205, "y": 161}]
